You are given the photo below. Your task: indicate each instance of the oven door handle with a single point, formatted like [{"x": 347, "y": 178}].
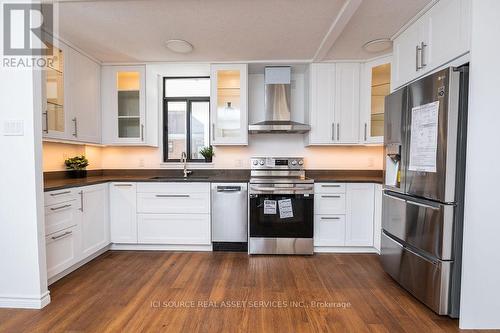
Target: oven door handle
[{"x": 272, "y": 189}]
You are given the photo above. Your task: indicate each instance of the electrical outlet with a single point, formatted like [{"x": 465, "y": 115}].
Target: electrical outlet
[
  {"x": 371, "y": 162},
  {"x": 141, "y": 163},
  {"x": 238, "y": 163}
]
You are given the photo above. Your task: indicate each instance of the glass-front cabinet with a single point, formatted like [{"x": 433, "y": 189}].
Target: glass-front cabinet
[
  {"x": 229, "y": 104},
  {"x": 377, "y": 85},
  {"x": 54, "y": 120},
  {"x": 123, "y": 104}
]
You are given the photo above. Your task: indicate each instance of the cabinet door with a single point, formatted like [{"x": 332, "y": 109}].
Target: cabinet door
[
  {"x": 63, "y": 249},
  {"x": 347, "y": 77},
  {"x": 181, "y": 229},
  {"x": 405, "y": 56},
  {"x": 84, "y": 97},
  {"x": 95, "y": 224},
  {"x": 329, "y": 230},
  {"x": 375, "y": 85},
  {"x": 321, "y": 110},
  {"x": 123, "y": 213},
  {"x": 359, "y": 214},
  {"x": 229, "y": 104},
  {"x": 123, "y": 105},
  {"x": 446, "y": 33}
]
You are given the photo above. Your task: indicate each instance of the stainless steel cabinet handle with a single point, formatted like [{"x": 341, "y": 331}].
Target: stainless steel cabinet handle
[
  {"x": 213, "y": 131},
  {"x": 142, "y": 132},
  {"x": 417, "y": 58},
  {"x": 338, "y": 131},
  {"x": 172, "y": 195},
  {"x": 330, "y": 218},
  {"x": 333, "y": 131},
  {"x": 59, "y": 193},
  {"x": 229, "y": 189},
  {"x": 60, "y": 207},
  {"x": 75, "y": 133},
  {"x": 63, "y": 235},
  {"x": 422, "y": 55},
  {"x": 81, "y": 201},
  {"x": 334, "y": 185},
  {"x": 366, "y": 128},
  {"x": 46, "y": 129},
  {"x": 330, "y": 196},
  {"x": 122, "y": 185}
]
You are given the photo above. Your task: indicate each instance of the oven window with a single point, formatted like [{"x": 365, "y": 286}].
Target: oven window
[{"x": 281, "y": 215}]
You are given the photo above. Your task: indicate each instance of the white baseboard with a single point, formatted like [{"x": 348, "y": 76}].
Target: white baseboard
[
  {"x": 344, "y": 249},
  {"x": 77, "y": 265},
  {"x": 159, "y": 247},
  {"x": 24, "y": 302}
]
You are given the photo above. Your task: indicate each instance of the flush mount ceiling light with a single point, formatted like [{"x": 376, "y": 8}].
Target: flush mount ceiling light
[
  {"x": 378, "y": 45},
  {"x": 179, "y": 46}
]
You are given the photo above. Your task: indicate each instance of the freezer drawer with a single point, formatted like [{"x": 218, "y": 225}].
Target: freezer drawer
[
  {"x": 427, "y": 280},
  {"x": 422, "y": 224}
]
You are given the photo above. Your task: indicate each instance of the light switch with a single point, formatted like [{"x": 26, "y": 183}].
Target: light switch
[{"x": 13, "y": 128}]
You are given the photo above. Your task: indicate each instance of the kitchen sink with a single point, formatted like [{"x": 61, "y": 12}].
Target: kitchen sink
[{"x": 179, "y": 178}]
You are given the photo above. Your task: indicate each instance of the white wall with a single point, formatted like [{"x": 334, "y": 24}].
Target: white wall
[
  {"x": 480, "y": 302},
  {"x": 23, "y": 280}
]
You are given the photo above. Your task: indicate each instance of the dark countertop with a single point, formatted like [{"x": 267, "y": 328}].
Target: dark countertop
[{"x": 59, "y": 180}]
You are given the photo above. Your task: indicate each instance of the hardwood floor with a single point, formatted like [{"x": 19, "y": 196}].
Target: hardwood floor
[{"x": 206, "y": 292}]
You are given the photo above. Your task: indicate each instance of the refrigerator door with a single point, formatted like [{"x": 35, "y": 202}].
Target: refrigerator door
[
  {"x": 435, "y": 181},
  {"x": 428, "y": 280},
  {"x": 424, "y": 225},
  {"x": 394, "y": 132}
]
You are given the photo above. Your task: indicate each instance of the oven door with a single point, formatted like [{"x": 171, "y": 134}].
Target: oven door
[{"x": 281, "y": 215}]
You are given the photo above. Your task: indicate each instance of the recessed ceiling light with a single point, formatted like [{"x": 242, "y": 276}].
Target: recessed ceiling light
[
  {"x": 378, "y": 45},
  {"x": 179, "y": 46}
]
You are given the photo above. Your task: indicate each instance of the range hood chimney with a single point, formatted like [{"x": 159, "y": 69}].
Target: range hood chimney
[{"x": 277, "y": 104}]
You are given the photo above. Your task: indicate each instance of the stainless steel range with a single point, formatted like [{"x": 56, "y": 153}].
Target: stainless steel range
[{"x": 281, "y": 207}]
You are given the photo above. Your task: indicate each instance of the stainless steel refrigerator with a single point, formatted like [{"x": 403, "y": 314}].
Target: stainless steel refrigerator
[{"x": 422, "y": 214}]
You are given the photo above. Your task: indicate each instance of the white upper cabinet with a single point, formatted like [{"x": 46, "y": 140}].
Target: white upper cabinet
[
  {"x": 229, "y": 104},
  {"x": 83, "y": 96},
  {"x": 334, "y": 104},
  {"x": 437, "y": 37},
  {"x": 376, "y": 84},
  {"x": 123, "y": 105}
]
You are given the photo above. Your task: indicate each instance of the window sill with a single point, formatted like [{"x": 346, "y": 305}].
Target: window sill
[{"x": 190, "y": 165}]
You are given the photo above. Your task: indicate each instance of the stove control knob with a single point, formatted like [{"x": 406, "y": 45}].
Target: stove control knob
[
  {"x": 294, "y": 162},
  {"x": 255, "y": 162},
  {"x": 261, "y": 162},
  {"x": 301, "y": 162}
]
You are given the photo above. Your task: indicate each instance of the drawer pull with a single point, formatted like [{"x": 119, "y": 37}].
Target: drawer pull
[
  {"x": 330, "y": 196},
  {"x": 63, "y": 235},
  {"x": 330, "y": 218},
  {"x": 172, "y": 195},
  {"x": 122, "y": 185},
  {"x": 60, "y": 193},
  {"x": 330, "y": 185},
  {"x": 60, "y": 207}
]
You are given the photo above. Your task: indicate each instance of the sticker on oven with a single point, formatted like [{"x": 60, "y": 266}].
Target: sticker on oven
[
  {"x": 285, "y": 208},
  {"x": 269, "y": 207}
]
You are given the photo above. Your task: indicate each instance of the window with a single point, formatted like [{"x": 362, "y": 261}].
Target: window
[{"x": 186, "y": 117}]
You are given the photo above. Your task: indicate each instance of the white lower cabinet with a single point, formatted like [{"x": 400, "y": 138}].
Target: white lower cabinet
[
  {"x": 95, "y": 225},
  {"x": 123, "y": 212},
  {"x": 178, "y": 229},
  {"x": 63, "y": 249},
  {"x": 344, "y": 215}
]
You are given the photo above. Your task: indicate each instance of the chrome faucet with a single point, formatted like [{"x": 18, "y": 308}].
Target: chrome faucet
[{"x": 184, "y": 160}]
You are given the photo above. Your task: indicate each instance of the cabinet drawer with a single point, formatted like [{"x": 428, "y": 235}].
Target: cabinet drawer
[
  {"x": 328, "y": 204},
  {"x": 60, "y": 196},
  {"x": 329, "y": 230},
  {"x": 173, "y": 203},
  {"x": 173, "y": 188},
  {"x": 174, "y": 229},
  {"x": 60, "y": 216},
  {"x": 329, "y": 188},
  {"x": 62, "y": 250}
]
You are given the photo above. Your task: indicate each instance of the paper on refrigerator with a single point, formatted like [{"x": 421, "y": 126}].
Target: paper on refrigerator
[
  {"x": 285, "y": 208},
  {"x": 424, "y": 137}
]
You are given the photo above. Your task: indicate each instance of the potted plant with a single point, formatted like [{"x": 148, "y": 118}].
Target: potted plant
[
  {"x": 76, "y": 166},
  {"x": 207, "y": 153}
]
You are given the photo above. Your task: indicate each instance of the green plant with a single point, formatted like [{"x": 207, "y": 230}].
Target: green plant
[
  {"x": 207, "y": 152},
  {"x": 76, "y": 163}
]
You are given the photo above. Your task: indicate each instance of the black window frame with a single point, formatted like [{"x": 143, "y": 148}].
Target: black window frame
[{"x": 188, "y": 101}]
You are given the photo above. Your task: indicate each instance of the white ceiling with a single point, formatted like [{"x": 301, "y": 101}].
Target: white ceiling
[{"x": 226, "y": 30}]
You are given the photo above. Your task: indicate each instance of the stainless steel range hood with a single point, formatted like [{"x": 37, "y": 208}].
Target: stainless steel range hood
[{"x": 277, "y": 104}]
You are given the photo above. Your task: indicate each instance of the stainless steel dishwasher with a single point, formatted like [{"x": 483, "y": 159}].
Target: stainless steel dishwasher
[{"x": 230, "y": 216}]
